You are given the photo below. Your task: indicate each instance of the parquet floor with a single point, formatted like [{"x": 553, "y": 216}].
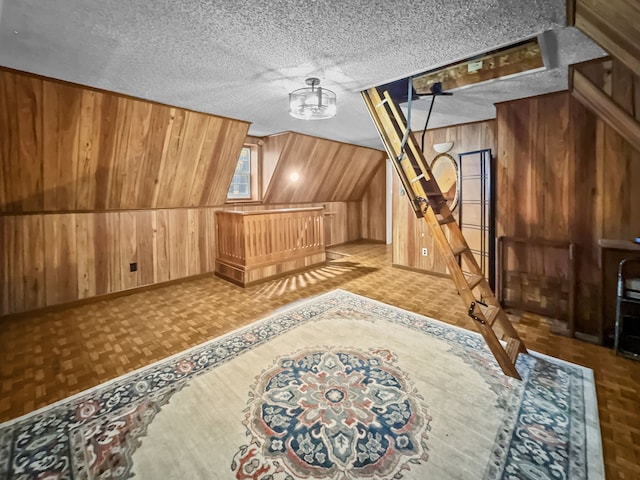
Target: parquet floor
[{"x": 48, "y": 356}]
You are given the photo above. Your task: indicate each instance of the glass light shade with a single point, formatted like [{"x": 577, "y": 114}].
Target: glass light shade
[{"x": 312, "y": 103}]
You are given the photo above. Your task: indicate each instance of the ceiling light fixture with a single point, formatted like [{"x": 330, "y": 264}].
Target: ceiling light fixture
[{"x": 312, "y": 102}]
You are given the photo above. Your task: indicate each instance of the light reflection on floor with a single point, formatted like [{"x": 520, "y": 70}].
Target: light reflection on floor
[{"x": 330, "y": 272}]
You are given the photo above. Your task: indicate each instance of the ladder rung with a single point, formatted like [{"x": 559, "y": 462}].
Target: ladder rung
[
  {"x": 513, "y": 348},
  {"x": 445, "y": 220},
  {"x": 459, "y": 249},
  {"x": 434, "y": 195},
  {"x": 419, "y": 177},
  {"x": 491, "y": 314},
  {"x": 474, "y": 280}
]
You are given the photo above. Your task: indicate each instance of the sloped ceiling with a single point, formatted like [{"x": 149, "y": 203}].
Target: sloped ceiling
[
  {"x": 66, "y": 148},
  {"x": 312, "y": 169},
  {"x": 241, "y": 58}
]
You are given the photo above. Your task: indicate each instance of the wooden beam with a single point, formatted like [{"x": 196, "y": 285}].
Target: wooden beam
[
  {"x": 490, "y": 66},
  {"x": 605, "y": 108},
  {"x": 571, "y": 13},
  {"x": 614, "y": 25}
]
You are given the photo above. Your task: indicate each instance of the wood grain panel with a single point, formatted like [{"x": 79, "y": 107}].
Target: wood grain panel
[
  {"x": 101, "y": 252},
  {"x": 565, "y": 175},
  {"x": 67, "y": 148},
  {"x": 614, "y": 25},
  {"x": 161, "y": 246},
  {"x": 373, "y": 207},
  {"x": 85, "y": 265},
  {"x": 178, "y": 241},
  {"x": 144, "y": 247},
  {"x": 255, "y": 245},
  {"x": 20, "y": 96},
  {"x": 128, "y": 249},
  {"x": 411, "y": 234},
  {"x": 607, "y": 109},
  {"x": 51, "y": 259},
  {"x": 355, "y": 222},
  {"x": 61, "y": 276},
  {"x": 329, "y": 171},
  {"x": 271, "y": 151}
]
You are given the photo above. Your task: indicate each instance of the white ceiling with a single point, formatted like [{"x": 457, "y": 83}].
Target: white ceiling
[{"x": 240, "y": 58}]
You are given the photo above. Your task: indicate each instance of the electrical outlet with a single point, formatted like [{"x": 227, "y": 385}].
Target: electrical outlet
[
  {"x": 424, "y": 251},
  {"x": 133, "y": 267}
]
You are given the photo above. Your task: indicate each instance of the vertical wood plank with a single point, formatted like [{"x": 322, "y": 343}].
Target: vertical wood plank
[
  {"x": 60, "y": 251},
  {"x": 136, "y": 152},
  {"x": 120, "y": 167},
  {"x": 85, "y": 193},
  {"x": 14, "y": 264},
  {"x": 177, "y": 233},
  {"x": 113, "y": 250},
  {"x": 193, "y": 242},
  {"x": 150, "y": 173},
  {"x": 29, "y": 104},
  {"x": 101, "y": 247},
  {"x": 10, "y": 147},
  {"x": 86, "y": 255},
  {"x": 105, "y": 138},
  {"x": 128, "y": 249},
  {"x": 4, "y": 259},
  {"x": 161, "y": 246},
  {"x": 144, "y": 247},
  {"x": 33, "y": 261}
]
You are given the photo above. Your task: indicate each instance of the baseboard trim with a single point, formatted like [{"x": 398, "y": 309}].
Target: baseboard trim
[
  {"x": 419, "y": 270},
  {"x": 98, "y": 298}
]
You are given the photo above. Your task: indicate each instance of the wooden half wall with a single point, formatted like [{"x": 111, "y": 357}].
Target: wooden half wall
[
  {"x": 92, "y": 181},
  {"x": 50, "y": 259}
]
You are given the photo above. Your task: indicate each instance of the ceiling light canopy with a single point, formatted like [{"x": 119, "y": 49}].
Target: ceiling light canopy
[{"x": 312, "y": 102}]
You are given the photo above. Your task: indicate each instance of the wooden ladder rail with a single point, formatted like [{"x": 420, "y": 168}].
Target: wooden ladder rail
[{"x": 429, "y": 203}]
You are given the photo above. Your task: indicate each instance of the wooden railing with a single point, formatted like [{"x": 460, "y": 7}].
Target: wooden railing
[{"x": 253, "y": 246}]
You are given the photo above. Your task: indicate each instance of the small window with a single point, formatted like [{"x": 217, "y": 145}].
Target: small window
[{"x": 240, "y": 188}]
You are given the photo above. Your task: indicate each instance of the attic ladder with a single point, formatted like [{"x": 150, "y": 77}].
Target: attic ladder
[{"x": 429, "y": 203}]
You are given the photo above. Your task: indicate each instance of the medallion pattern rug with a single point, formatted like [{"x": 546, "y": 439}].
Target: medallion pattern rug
[{"x": 335, "y": 387}]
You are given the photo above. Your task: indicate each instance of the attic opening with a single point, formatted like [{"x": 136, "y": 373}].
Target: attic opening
[{"x": 519, "y": 58}]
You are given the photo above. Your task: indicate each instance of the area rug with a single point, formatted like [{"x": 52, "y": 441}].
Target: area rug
[{"x": 338, "y": 386}]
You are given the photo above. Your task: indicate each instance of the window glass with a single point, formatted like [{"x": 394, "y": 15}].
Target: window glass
[{"x": 240, "y": 187}]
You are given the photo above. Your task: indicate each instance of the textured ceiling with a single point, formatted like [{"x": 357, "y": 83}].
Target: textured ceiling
[{"x": 240, "y": 58}]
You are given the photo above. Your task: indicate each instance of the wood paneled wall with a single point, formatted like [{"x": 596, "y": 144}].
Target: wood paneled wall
[
  {"x": 92, "y": 181},
  {"x": 613, "y": 24},
  {"x": 565, "y": 175},
  {"x": 49, "y": 259},
  {"x": 56, "y": 258},
  {"x": 592, "y": 83},
  {"x": 410, "y": 234},
  {"x": 617, "y": 160},
  {"x": 373, "y": 211},
  {"x": 67, "y": 148},
  {"x": 328, "y": 171}
]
